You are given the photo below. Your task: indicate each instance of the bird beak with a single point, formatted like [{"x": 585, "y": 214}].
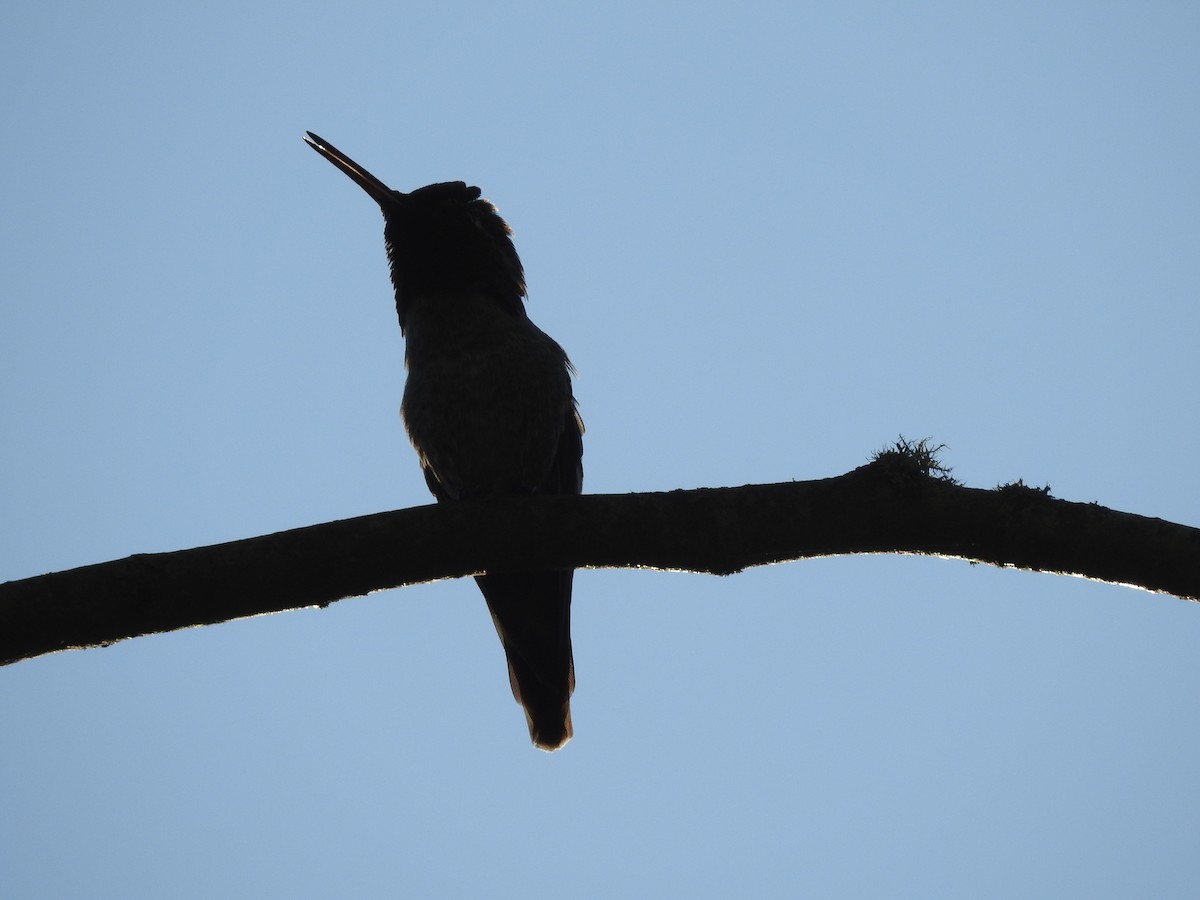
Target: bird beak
[{"x": 380, "y": 192}]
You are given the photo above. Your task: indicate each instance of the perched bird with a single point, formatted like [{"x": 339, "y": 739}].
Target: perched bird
[{"x": 488, "y": 406}]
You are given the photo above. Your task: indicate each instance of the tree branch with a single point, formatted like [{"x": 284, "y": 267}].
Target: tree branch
[{"x": 893, "y": 505}]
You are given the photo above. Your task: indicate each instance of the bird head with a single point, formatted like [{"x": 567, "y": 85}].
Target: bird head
[{"x": 441, "y": 239}]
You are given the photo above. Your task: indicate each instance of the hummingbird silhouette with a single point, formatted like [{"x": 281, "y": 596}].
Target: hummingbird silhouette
[{"x": 487, "y": 405}]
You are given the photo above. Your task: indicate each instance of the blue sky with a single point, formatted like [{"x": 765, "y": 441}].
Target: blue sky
[{"x": 772, "y": 238}]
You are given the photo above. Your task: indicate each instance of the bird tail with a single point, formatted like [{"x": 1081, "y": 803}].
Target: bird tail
[{"x": 532, "y": 614}]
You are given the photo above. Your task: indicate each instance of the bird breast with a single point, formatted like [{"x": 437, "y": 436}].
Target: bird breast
[{"x": 487, "y": 395}]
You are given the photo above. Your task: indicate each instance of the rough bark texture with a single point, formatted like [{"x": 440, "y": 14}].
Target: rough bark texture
[{"x": 889, "y": 506}]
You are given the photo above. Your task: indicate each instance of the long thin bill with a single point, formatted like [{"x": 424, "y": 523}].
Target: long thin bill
[{"x": 378, "y": 191}]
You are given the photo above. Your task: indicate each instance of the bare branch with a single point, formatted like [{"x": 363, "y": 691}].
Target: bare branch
[{"x": 893, "y": 505}]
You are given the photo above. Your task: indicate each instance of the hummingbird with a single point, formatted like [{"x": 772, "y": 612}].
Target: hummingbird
[{"x": 488, "y": 406}]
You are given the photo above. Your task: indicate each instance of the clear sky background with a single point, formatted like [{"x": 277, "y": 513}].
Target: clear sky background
[{"x": 773, "y": 237}]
